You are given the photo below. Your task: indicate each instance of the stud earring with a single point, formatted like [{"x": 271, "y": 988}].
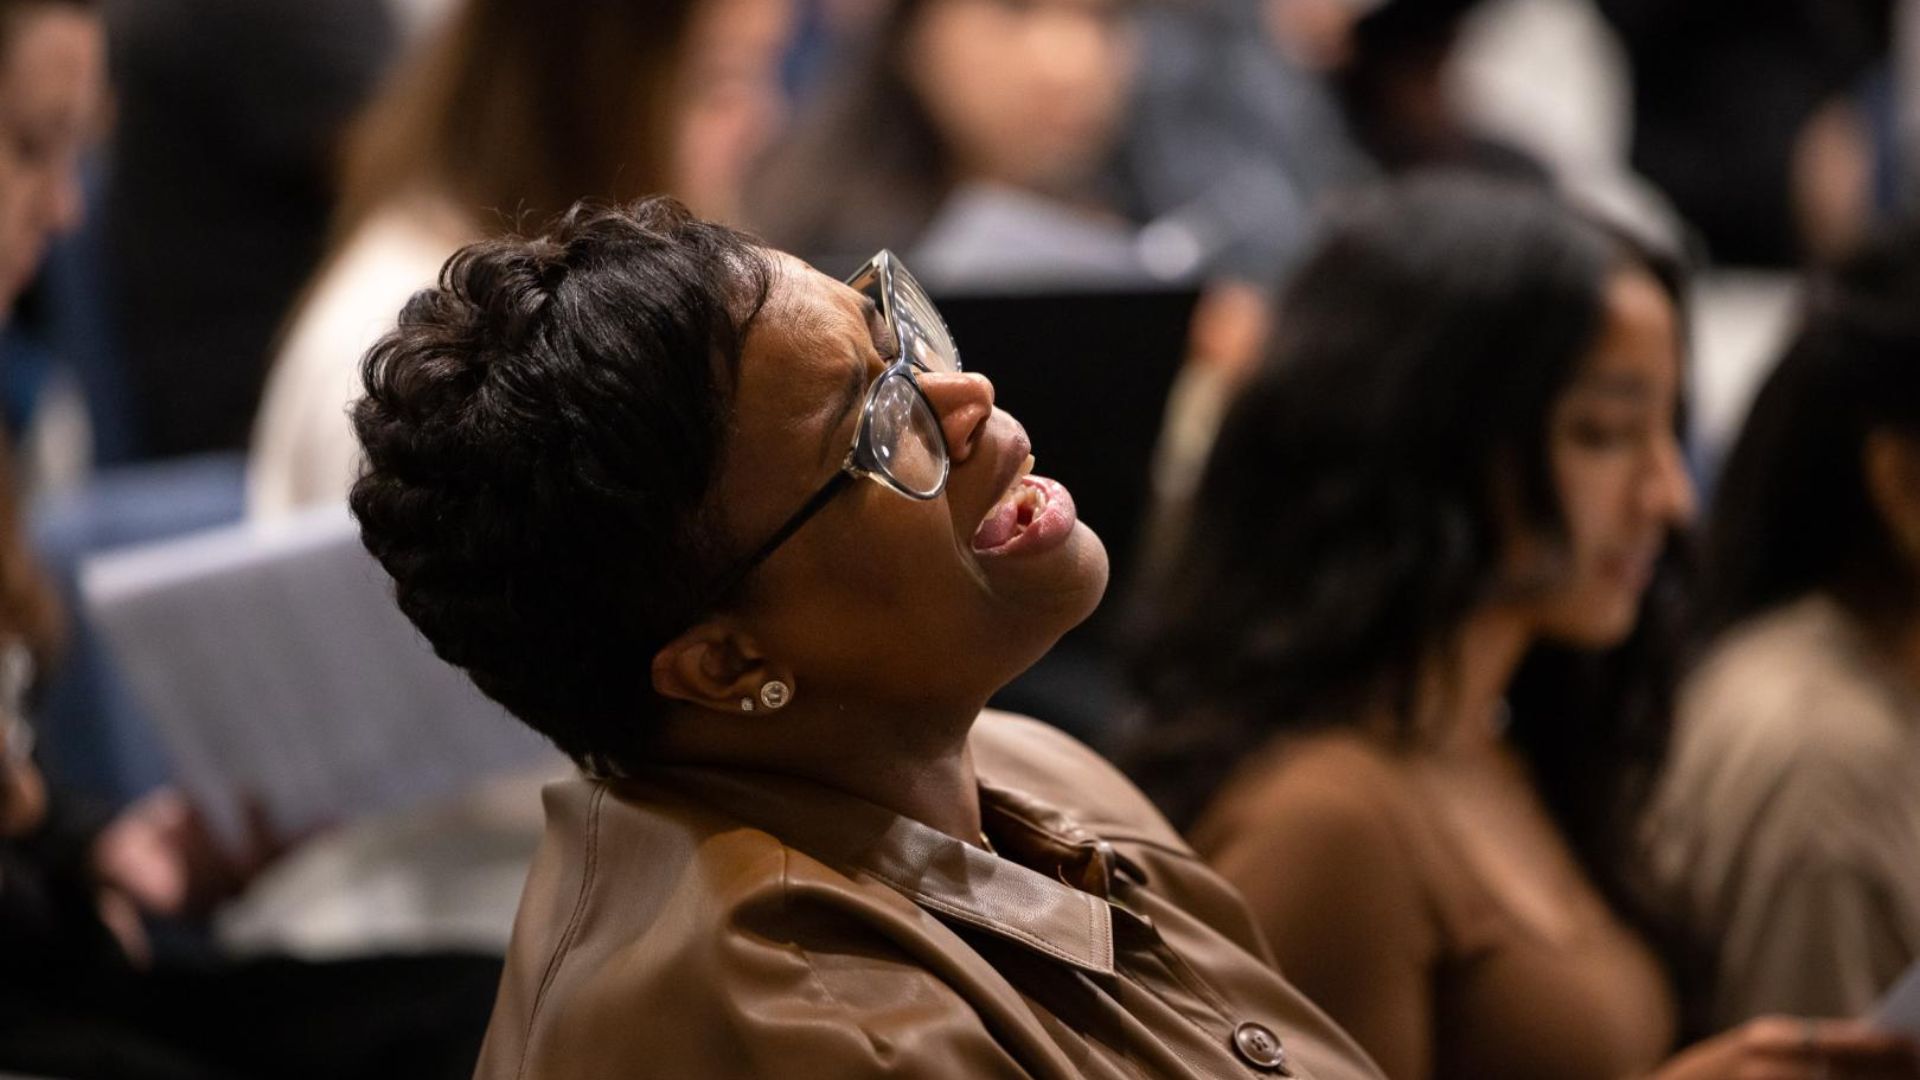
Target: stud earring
[
  {"x": 775, "y": 694},
  {"x": 746, "y": 704}
]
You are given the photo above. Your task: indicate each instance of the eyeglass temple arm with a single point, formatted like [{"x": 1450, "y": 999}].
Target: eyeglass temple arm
[{"x": 800, "y": 517}]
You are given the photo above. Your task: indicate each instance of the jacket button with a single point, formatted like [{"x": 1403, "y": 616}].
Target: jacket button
[{"x": 1261, "y": 1047}]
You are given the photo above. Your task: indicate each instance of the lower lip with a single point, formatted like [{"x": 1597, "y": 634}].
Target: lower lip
[{"x": 1048, "y": 530}]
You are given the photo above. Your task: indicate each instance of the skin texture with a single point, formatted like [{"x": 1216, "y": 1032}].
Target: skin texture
[
  {"x": 890, "y": 629},
  {"x": 1027, "y": 93},
  {"x": 52, "y": 95}
]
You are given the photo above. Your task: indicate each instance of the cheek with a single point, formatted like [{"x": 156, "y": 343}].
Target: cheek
[
  {"x": 873, "y": 596},
  {"x": 882, "y": 557},
  {"x": 1589, "y": 615},
  {"x": 1592, "y": 491},
  {"x": 1101, "y": 80},
  {"x": 1587, "y": 607}
]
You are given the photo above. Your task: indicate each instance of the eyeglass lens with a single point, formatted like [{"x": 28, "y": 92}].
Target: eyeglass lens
[
  {"x": 927, "y": 339},
  {"x": 905, "y": 434}
]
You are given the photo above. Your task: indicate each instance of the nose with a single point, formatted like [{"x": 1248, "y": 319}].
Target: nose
[
  {"x": 1669, "y": 493},
  {"x": 963, "y": 400}
]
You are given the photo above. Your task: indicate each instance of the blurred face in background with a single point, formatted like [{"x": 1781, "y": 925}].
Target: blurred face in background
[
  {"x": 1618, "y": 467},
  {"x": 52, "y": 94},
  {"x": 1027, "y": 93},
  {"x": 731, "y": 100}
]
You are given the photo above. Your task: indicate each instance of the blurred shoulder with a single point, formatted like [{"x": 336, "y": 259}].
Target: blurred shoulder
[
  {"x": 1325, "y": 837},
  {"x": 1799, "y": 689},
  {"x": 1338, "y": 783}
]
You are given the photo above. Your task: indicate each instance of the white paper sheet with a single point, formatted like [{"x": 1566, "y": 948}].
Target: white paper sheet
[{"x": 275, "y": 664}]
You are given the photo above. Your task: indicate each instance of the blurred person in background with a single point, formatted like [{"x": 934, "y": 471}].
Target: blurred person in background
[
  {"x": 751, "y": 547},
  {"x": 1393, "y": 76},
  {"x": 946, "y": 97},
  {"x": 1184, "y": 116},
  {"x": 514, "y": 111},
  {"x": 1787, "y": 828},
  {"x": 1410, "y": 676},
  {"x": 1751, "y": 118},
  {"x": 1391, "y": 63},
  {"x": 1232, "y": 138},
  {"x": 84, "y": 991}
]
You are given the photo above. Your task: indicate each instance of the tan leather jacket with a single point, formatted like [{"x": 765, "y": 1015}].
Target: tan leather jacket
[{"x": 704, "y": 923}]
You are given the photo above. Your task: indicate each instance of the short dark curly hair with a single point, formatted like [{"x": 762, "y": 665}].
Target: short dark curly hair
[{"x": 541, "y": 432}]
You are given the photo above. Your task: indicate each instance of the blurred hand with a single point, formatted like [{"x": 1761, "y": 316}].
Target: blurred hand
[
  {"x": 1786, "y": 1048},
  {"x": 160, "y": 856}
]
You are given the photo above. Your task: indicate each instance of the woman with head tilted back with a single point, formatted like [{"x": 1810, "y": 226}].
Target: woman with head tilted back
[
  {"x": 1410, "y": 673},
  {"x": 514, "y": 111},
  {"x": 1787, "y": 827},
  {"x": 754, "y": 549}
]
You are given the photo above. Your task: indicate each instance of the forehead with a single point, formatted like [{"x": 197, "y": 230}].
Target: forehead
[
  {"x": 806, "y": 307},
  {"x": 1639, "y": 345},
  {"x": 807, "y": 337}
]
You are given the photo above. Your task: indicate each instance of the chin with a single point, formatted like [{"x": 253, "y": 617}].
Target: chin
[
  {"x": 1595, "y": 628},
  {"x": 1055, "y": 592},
  {"x": 1088, "y": 574}
]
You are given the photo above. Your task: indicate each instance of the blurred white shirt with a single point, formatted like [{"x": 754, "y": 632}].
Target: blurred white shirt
[{"x": 304, "y": 452}]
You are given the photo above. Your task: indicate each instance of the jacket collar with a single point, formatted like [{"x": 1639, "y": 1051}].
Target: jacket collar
[{"x": 1047, "y": 894}]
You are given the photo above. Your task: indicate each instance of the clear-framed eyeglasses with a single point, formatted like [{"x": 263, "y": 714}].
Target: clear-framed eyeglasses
[{"x": 898, "y": 441}]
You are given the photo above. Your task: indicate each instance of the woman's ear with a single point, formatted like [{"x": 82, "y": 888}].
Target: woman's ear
[
  {"x": 1891, "y": 461},
  {"x": 716, "y": 666}
]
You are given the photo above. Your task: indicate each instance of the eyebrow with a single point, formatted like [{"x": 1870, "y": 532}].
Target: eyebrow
[
  {"x": 850, "y": 387},
  {"x": 877, "y": 328}
]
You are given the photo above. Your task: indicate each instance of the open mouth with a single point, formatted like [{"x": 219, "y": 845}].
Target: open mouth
[{"x": 1034, "y": 514}]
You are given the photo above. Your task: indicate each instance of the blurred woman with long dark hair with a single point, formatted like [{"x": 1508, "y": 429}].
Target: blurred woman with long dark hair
[
  {"x": 1411, "y": 675},
  {"x": 1788, "y": 826}
]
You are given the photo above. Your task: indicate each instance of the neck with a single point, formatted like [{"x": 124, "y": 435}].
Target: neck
[
  {"x": 911, "y": 760},
  {"x": 1463, "y": 698}
]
